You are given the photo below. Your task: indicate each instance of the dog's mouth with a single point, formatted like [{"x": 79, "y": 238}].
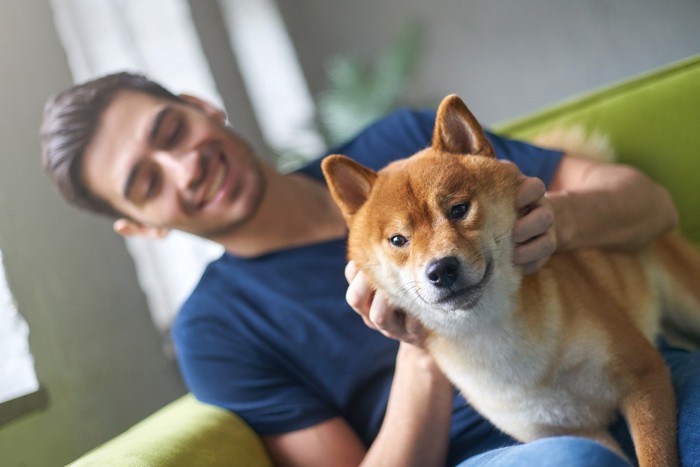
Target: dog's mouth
[{"x": 467, "y": 297}]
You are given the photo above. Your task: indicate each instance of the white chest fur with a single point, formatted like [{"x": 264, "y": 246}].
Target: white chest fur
[{"x": 529, "y": 385}]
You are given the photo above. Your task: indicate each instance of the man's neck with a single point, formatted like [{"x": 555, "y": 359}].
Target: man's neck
[{"x": 296, "y": 210}]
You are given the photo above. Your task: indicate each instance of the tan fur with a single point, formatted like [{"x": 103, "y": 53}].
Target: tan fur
[
  {"x": 559, "y": 352},
  {"x": 587, "y": 144}
]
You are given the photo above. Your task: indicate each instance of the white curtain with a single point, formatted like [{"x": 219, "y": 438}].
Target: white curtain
[
  {"x": 158, "y": 38},
  {"x": 272, "y": 75},
  {"x": 17, "y": 376}
]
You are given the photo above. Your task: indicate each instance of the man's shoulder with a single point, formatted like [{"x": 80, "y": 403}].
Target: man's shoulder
[
  {"x": 402, "y": 124},
  {"x": 408, "y": 119},
  {"x": 395, "y": 136},
  {"x": 398, "y": 135}
]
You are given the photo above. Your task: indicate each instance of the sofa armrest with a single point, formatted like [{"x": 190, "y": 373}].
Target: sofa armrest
[{"x": 185, "y": 432}]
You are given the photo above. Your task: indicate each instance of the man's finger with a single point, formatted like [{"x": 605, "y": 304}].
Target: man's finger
[
  {"x": 359, "y": 294},
  {"x": 537, "y": 250},
  {"x": 534, "y": 224},
  {"x": 350, "y": 271},
  {"x": 386, "y": 319},
  {"x": 530, "y": 190}
]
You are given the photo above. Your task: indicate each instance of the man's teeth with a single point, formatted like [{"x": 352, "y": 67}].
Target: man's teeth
[{"x": 216, "y": 185}]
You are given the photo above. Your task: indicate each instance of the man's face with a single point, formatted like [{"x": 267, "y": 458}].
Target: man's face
[{"x": 172, "y": 165}]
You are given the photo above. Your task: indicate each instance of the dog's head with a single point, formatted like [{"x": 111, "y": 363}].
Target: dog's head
[{"x": 433, "y": 230}]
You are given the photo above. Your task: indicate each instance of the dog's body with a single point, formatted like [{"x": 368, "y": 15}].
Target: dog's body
[{"x": 559, "y": 352}]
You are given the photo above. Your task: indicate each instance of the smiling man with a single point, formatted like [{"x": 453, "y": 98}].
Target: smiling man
[{"x": 267, "y": 332}]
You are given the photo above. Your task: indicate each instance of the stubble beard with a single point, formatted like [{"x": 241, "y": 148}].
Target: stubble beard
[{"x": 218, "y": 233}]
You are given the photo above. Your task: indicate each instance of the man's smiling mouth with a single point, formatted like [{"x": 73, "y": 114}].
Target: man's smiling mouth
[
  {"x": 216, "y": 184},
  {"x": 212, "y": 183}
]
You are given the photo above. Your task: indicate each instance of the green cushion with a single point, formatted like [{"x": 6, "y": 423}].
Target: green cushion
[
  {"x": 653, "y": 122},
  {"x": 184, "y": 433}
]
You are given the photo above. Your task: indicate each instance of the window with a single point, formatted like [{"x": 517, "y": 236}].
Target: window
[{"x": 19, "y": 387}]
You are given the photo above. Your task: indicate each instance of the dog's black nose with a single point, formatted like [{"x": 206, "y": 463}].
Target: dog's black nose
[{"x": 443, "y": 272}]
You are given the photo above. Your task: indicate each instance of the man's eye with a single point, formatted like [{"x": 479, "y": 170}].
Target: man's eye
[
  {"x": 150, "y": 186},
  {"x": 175, "y": 133}
]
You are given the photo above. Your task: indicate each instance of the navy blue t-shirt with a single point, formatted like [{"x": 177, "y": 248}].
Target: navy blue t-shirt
[{"x": 272, "y": 338}]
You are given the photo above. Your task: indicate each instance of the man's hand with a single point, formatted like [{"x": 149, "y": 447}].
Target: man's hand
[
  {"x": 534, "y": 235},
  {"x": 375, "y": 310}
]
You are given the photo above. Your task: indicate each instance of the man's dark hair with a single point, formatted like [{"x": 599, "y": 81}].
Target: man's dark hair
[{"x": 71, "y": 119}]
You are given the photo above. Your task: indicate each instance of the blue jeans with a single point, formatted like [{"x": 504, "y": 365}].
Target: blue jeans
[
  {"x": 579, "y": 452},
  {"x": 549, "y": 452},
  {"x": 685, "y": 372}
]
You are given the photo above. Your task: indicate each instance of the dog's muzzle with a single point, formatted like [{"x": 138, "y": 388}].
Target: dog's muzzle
[{"x": 455, "y": 285}]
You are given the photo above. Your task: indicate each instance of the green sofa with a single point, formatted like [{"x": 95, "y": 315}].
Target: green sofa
[{"x": 653, "y": 122}]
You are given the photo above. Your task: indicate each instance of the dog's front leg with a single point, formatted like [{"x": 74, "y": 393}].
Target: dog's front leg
[{"x": 649, "y": 406}]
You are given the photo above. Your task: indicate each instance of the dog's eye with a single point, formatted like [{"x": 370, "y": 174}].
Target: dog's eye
[
  {"x": 458, "y": 211},
  {"x": 398, "y": 240}
]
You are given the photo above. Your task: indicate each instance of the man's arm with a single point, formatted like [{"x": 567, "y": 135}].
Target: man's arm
[
  {"x": 415, "y": 430},
  {"x": 329, "y": 442},
  {"x": 607, "y": 205},
  {"x": 416, "y": 426}
]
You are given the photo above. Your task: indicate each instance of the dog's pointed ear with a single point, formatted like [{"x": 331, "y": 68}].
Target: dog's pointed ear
[
  {"x": 350, "y": 182},
  {"x": 457, "y": 131}
]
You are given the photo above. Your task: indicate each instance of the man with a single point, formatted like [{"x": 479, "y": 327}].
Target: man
[{"x": 267, "y": 332}]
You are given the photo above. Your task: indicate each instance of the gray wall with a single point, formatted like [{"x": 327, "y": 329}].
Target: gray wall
[
  {"x": 504, "y": 57},
  {"x": 96, "y": 349}
]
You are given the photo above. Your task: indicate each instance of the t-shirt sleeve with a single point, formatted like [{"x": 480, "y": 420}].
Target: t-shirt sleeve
[
  {"x": 223, "y": 369},
  {"x": 532, "y": 160}
]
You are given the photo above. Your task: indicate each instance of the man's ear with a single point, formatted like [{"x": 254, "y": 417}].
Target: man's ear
[
  {"x": 208, "y": 108},
  {"x": 457, "y": 131},
  {"x": 349, "y": 182},
  {"x": 129, "y": 228}
]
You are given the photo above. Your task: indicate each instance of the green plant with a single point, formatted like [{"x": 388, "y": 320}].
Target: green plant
[{"x": 358, "y": 94}]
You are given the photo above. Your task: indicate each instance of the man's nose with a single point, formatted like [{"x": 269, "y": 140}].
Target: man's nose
[{"x": 185, "y": 168}]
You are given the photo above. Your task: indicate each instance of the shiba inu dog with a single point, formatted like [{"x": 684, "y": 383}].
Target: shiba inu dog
[{"x": 559, "y": 352}]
